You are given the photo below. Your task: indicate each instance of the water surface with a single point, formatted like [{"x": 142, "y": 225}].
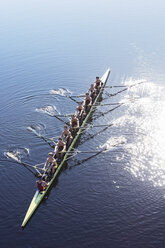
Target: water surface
[{"x": 117, "y": 198}]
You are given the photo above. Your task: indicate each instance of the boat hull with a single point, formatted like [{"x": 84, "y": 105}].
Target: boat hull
[{"x": 38, "y": 197}]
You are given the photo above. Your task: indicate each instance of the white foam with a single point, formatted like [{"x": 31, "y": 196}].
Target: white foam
[
  {"x": 50, "y": 110},
  {"x": 13, "y": 155},
  {"x": 112, "y": 142},
  {"x": 60, "y": 92}
]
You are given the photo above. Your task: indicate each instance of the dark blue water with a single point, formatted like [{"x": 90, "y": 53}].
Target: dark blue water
[{"x": 117, "y": 198}]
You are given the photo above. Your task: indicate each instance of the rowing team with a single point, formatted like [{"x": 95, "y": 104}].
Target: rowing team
[{"x": 66, "y": 138}]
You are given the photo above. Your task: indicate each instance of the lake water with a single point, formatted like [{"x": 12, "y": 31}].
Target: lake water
[{"x": 116, "y": 199}]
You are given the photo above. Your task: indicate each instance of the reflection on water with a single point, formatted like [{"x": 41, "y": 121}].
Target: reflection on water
[{"x": 146, "y": 118}]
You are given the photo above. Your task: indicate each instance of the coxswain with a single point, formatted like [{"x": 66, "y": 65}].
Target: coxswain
[
  {"x": 74, "y": 124},
  {"x": 60, "y": 149},
  {"x": 41, "y": 184},
  {"x": 67, "y": 136},
  {"x": 87, "y": 102},
  {"x": 50, "y": 165},
  {"x": 92, "y": 92}
]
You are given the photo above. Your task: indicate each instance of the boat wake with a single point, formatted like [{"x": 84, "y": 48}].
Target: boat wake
[
  {"x": 113, "y": 142},
  {"x": 60, "y": 92},
  {"x": 50, "y": 110},
  {"x": 17, "y": 154}
]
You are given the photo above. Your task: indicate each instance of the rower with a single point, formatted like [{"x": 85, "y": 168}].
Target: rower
[
  {"x": 97, "y": 85},
  {"x": 80, "y": 112},
  {"x": 97, "y": 82},
  {"x": 92, "y": 87},
  {"x": 67, "y": 136},
  {"x": 50, "y": 165},
  {"x": 74, "y": 124},
  {"x": 92, "y": 92},
  {"x": 84, "y": 114},
  {"x": 79, "y": 109},
  {"x": 60, "y": 149},
  {"x": 87, "y": 102}
]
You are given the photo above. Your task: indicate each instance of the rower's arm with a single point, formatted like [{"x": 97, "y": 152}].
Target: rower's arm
[
  {"x": 82, "y": 110},
  {"x": 62, "y": 135},
  {"x": 55, "y": 149},
  {"x": 64, "y": 149},
  {"x": 69, "y": 135},
  {"x": 78, "y": 123}
]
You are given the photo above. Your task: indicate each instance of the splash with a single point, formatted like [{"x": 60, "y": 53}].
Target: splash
[
  {"x": 60, "y": 92},
  {"x": 17, "y": 154},
  {"x": 33, "y": 130},
  {"x": 113, "y": 142},
  {"x": 27, "y": 150},
  {"x": 124, "y": 121},
  {"x": 50, "y": 110},
  {"x": 13, "y": 155},
  {"x": 36, "y": 129}
]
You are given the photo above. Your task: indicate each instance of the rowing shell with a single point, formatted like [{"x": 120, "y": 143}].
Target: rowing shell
[{"x": 39, "y": 195}]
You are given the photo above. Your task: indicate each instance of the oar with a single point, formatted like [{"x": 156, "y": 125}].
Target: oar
[
  {"x": 94, "y": 135},
  {"x": 106, "y": 104},
  {"x": 86, "y": 159},
  {"x": 27, "y": 167},
  {"x": 114, "y": 94},
  {"x": 96, "y": 154},
  {"x": 56, "y": 116},
  {"x": 45, "y": 171},
  {"x": 73, "y": 99},
  {"x": 47, "y": 141},
  {"x": 42, "y": 137},
  {"x": 115, "y": 86},
  {"x": 104, "y": 113},
  {"x": 38, "y": 164},
  {"x": 92, "y": 151},
  {"x": 126, "y": 88},
  {"x": 78, "y": 96},
  {"x": 18, "y": 160},
  {"x": 91, "y": 126},
  {"x": 65, "y": 115},
  {"x": 122, "y": 86},
  {"x": 78, "y": 152}
]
